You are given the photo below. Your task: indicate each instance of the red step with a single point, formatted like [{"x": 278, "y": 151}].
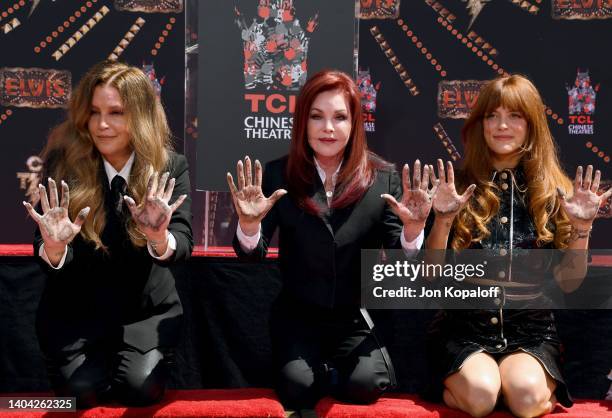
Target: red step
[
  {"x": 404, "y": 406},
  {"x": 251, "y": 403},
  {"x": 213, "y": 403}
]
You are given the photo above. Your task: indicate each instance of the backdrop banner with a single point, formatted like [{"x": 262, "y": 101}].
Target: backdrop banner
[
  {"x": 253, "y": 59},
  {"x": 46, "y": 48},
  {"x": 420, "y": 68}
]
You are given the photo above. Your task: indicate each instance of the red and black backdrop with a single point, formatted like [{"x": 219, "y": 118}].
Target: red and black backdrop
[
  {"x": 420, "y": 64},
  {"x": 45, "y": 48}
]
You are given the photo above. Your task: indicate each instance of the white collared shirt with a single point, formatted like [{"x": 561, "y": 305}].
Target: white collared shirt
[
  {"x": 248, "y": 243},
  {"x": 111, "y": 172},
  {"x": 329, "y": 195},
  {"x": 124, "y": 172}
]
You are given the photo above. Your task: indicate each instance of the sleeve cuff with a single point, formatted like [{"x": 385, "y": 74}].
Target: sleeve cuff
[
  {"x": 170, "y": 249},
  {"x": 415, "y": 244},
  {"x": 42, "y": 254},
  {"x": 247, "y": 243}
]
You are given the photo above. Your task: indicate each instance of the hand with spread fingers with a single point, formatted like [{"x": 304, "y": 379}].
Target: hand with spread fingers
[
  {"x": 447, "y": 202},
  {"x": 55, "y": 226},
  {"x": 250, "y": 203},
  {"x": 153, "y": 214},
  {"x": 581, "y": 208},
  {"x": 417, "y": 197}
]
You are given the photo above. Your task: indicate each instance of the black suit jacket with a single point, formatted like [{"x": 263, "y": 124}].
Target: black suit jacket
[
  {"x": 123, "y": 292},
  {"x": 320, "y": 255}
]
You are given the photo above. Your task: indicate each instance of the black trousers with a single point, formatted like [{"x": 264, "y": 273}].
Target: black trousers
[
  {"x": 102, "y": 371},
  {"x": 321, "y": 352}
]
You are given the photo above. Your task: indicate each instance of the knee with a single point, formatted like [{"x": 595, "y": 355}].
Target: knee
[
  {"x": 365, "y": 386},
  {"x": 83, "y": 389},
  {"x": 141, "y": 383},
  {"x": 478, "y": 399},
  {"x": 140, "y": 388},
  {"x": 295, "y": 386},
  {"x": 527, "y": 398}
]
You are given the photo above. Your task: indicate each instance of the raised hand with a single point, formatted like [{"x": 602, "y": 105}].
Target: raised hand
[
  {"x": 582, "y": 207},
  {"x": 250, "y": 203},
  {"x": 446, "y": 202},
  {"x": 417, "y": 198},
  {"x": 55, "y": 226},
  {"x": 153, "y": 214}
]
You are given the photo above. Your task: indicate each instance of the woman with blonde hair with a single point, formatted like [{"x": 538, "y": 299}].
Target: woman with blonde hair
[
  {"x": 518, "y": 201},
  {"x": 110, "y": 314}
]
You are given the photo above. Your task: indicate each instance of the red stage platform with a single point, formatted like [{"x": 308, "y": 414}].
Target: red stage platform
[
  {"x": 399, "y": 405},
  {"x": 252, "y": 403}
]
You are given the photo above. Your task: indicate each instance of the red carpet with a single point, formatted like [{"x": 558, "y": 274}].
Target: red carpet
[
  {"x": 217, "y": 403},
  {"x": 411, "y": 406},
  {"x": 255, "y": 403}
]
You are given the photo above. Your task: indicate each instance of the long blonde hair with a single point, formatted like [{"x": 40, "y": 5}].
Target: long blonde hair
[
  {"x": 72, "y": 156},
  {"x": 539, "y": 160}
]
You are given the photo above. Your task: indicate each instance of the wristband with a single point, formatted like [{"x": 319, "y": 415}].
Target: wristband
[{"x": 155, "y": 244}]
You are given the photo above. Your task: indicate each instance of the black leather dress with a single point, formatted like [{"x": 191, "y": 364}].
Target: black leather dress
[{"x": 455, "y": 335}]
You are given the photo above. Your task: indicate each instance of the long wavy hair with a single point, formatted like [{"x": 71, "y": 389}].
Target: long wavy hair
[
  {"x": 358, "y": 167},
  {"x": 71, "y": 154},
  {"x": 538, "y": 158}
]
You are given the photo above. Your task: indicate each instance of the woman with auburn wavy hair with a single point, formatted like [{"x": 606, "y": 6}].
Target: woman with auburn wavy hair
[
  {"x": 518, "y": 201},
  {"x": 109, "y": 316},
  {"x": 322, "y": 342}
]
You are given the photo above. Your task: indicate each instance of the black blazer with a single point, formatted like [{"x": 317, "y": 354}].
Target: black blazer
[
  {"x": 320, "y": 255},
  {"x": 125, "y": 292}
]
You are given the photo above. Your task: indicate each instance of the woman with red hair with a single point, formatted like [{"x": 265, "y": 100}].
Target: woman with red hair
[
  {"x": 323, "y": 343},
  {"x": 519, "y": 202}
]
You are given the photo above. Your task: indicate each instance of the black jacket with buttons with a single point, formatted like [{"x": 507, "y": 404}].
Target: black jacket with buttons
[{"x": 511, "y": 228}]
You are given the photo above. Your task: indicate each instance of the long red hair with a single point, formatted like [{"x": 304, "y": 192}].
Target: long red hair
[
  {"x": 357, "y": 172},
  {"x": 539, "y": 159}
]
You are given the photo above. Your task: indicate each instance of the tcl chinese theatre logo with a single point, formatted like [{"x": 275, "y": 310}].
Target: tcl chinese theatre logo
[
  {"x": 275, "y": 52},
  {"x": 581, "y": 103},
  {"x": 368, "y": 91}
]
